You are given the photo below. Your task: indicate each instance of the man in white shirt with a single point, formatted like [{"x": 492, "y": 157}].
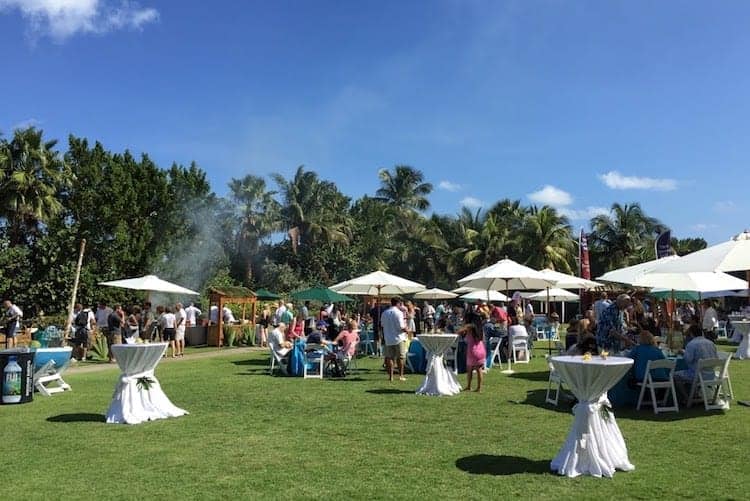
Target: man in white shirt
[
  {"x": 279, "y": 312},
  {"x": 710, "y": 319},
  {"x": 279, "y": 345},
  {"x": 227, "y": 315},
  {"x": 13, "y": 315},
  {"x": 169, "y": 328},
  {"x": 394, "y": 335},
  {"x": 102, "y": 315},
  {"x": 192, "y": 313},
  {"x": 600, "y": 305},
  {"x": 179, "y": 335},
  {"x": 213, "y": 314}
]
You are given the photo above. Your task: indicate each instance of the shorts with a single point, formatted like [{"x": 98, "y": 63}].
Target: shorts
[
  {"x": 168, "y": 334},
  {"x": 11, "y": 330},
  {"x": 396, "y": 351},
  {"x": 179, "y": 334},
  {"x": 114, "y": 337},
  {"x": 82, "y": 338}
]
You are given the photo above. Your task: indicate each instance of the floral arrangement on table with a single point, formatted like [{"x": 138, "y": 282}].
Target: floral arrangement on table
[
  {"x": 587, "y": 356},
  {"x": 604, "y": 354}
]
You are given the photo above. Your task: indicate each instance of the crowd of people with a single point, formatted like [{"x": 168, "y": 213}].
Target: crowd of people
[{"x": 165, "y": 323}]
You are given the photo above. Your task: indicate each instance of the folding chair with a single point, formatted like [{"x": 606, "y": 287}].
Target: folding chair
[
  {"x": 520, "y": 344},
  {"x": 554, "y": 382},
  {"x": 653, "y": 385},
  {"x": 721, "y": 331},
  {"x": 495, "y": 343},
  {"x": 314, "y": 355},
  {"x": 710, "y": 384},
  {"x": 450, "y": 356},
  {"x": 367, "y": 344},
  {"x": 726, "y": 356},
  {"x": 282, "y": 363}
]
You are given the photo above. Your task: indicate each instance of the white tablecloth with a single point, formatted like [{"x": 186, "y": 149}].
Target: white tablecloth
[
  {"x": 132, "y": 403},
  {"x": 743, "y": 326},
  {"x": 438, "y": 379},
  {"x": 594, "y": 445}
]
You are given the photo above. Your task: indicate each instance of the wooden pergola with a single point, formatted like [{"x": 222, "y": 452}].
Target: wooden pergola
[{"x": 220, "y": 296}]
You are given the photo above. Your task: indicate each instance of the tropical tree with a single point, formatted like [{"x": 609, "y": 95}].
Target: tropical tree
[
  {"x": 618, "y": 239},
  {"x": 313, "y": 211},
  {"x": 684, "y": 246},
  {"x": 404, "y": 188},
  {"x": 547, "y": 240},
  {"x": 32, "y": 177}
]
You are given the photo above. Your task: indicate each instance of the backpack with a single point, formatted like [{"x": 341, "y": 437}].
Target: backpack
[{"x": 82, "y": 319}]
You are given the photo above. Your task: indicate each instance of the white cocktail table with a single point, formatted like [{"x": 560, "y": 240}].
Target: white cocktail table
[
  {"x": 438, "y": 379},
  {"x": 743, "y": 351},
  {"x": 594, "y": 445},
  {"x": 138, "y": 396}
]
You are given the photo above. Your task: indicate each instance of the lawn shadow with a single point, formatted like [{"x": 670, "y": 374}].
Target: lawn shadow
[
  {"x": 531, "y": 376},
  {"x": 82, "y": 417},
  {"x": 347, "y": 378},
  {"x": 486, "y": 464},
  {"x": 389, "y": 391},
  {"x": 537, "y": 398},
  {"x": 252, "y": 361}
]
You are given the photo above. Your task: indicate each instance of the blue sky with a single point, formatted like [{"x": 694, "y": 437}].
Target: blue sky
[{"x": 574, "y": 103}]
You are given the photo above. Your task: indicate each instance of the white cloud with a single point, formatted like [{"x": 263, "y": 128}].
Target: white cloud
[
  {"x": 617, "y": 181},
  {"x": 549, "y": 195},
  {"x": 472, "y": 203},
  {"x": 449, "y": 186},
  {"x": 61, "y": 19},
  {"x": 725, "y": 206},
  {"x": 581, "y": 214},
  {"x": 702, "y": 226}
]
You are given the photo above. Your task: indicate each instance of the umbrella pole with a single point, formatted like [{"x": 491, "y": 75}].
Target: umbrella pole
[{"x": 549, "y": 341}]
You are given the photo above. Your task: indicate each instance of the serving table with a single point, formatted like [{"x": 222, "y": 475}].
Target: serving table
[
  {"x": 138, "y": 397},
  {"x": 594, "y": 445},
  {"x": 438, "y": 379},
  {"x": 743, "y": 326}
]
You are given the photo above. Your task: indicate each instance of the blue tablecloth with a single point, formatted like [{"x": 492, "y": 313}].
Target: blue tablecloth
[
  {"x": 297, "y": 359},
  {"x": 418, "y": 356}
]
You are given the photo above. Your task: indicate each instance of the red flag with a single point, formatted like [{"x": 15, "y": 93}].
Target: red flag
[{"x": 584, "y": 250}]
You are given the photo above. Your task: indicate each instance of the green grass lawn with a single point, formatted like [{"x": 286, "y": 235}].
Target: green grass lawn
[{"x": 253, "y": 436}]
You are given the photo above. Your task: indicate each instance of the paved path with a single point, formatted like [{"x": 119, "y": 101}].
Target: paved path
[{"x": 76, "y": 368}]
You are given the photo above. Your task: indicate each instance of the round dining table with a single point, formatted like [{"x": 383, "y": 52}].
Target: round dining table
[
  {"x": 438, "y": 379},
  {"x": 594, "y": 446},
  {"x": 138, "y": 396},
  {"x": 743, "y": 351}
]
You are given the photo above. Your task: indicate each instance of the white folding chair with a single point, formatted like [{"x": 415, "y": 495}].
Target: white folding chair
[
  {"x": 721, "y": 330},
  {"x": 653, "y": 385},
  {"x": 314, "y": 355},
  {"x": 540, "y": 336},
  {"x": 553, "y": 384},
  {"x": 520, "y": 345},
  {"x": 710, "y": 384},
  {"x": 450, "y": 356},
  {"x": 495, "y": 343},
  {"x": 277, "y": 360},
  {"x": 726, "y": 356}
]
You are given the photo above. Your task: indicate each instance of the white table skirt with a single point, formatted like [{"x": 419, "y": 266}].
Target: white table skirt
[
  {"x": 132, "y": 403},
  {"x": 438, "y": 379},
  {"x": 594, "y": 445},
  {"x": 743, "y": 351}
]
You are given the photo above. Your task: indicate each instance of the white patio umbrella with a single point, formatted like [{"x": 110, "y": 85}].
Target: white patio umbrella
[
  {"x": 378, "y": 283},
  {"x": 150, "y": 283},
  {"x": 629, "y": 274},
  {"x": 485, "y": 295},
  {"x": 565, "y": 281},
  {"x": 507, "y": 274},
  {"x": 555, "y": 295},
  {"x": 694, "y": 282},
  {"x": 733, "y": 255},
  {"x": 435, "y": 294},
  {"x": 464, "y": 290}
]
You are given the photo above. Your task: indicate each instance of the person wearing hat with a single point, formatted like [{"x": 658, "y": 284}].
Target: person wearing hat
[
  {"x": 515, "y": 312},
  {"x": 316, "y": 336},
  {"x": 611, "y": 328}
]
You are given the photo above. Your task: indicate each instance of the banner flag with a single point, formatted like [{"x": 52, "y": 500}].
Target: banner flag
[
  {"x": 583, "y": 248},
  {"x": 664, "y": 245}
]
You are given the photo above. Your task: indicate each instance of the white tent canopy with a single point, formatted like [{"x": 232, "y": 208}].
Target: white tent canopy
[
  {"x": 556, "y": 295},
  {"x": 694, "y": 282},
  {"x": 378, "y": 283},
  {"x": 733, "y": 255},
  {"x": 629, "y": 274},
  {"x": 435, "y": 294},
  {"x": 150, "y": 283},
  {"x": 485, "y": 295},
  {"x": 565, "y": 281},
  {"x": 506, "y": 274}
]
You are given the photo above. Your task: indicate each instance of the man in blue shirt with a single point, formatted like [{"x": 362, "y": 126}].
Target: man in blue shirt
[{"x": 610, "y": 328}]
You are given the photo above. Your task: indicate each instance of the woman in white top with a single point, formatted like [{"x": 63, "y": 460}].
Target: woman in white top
[{"x": 168, "y": 328}]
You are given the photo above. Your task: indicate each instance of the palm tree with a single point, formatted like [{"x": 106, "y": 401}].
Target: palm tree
[
  {"x": 32, "y": 176},
  {"x": 404, "y": 188},
  {"x": 482, "y": 243},
  {"x": 547, "y": 240},
  {"x": 619, "y": 238},
  {"x": 313, "y": 210},
  {"x": 257, "y": 218}
]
